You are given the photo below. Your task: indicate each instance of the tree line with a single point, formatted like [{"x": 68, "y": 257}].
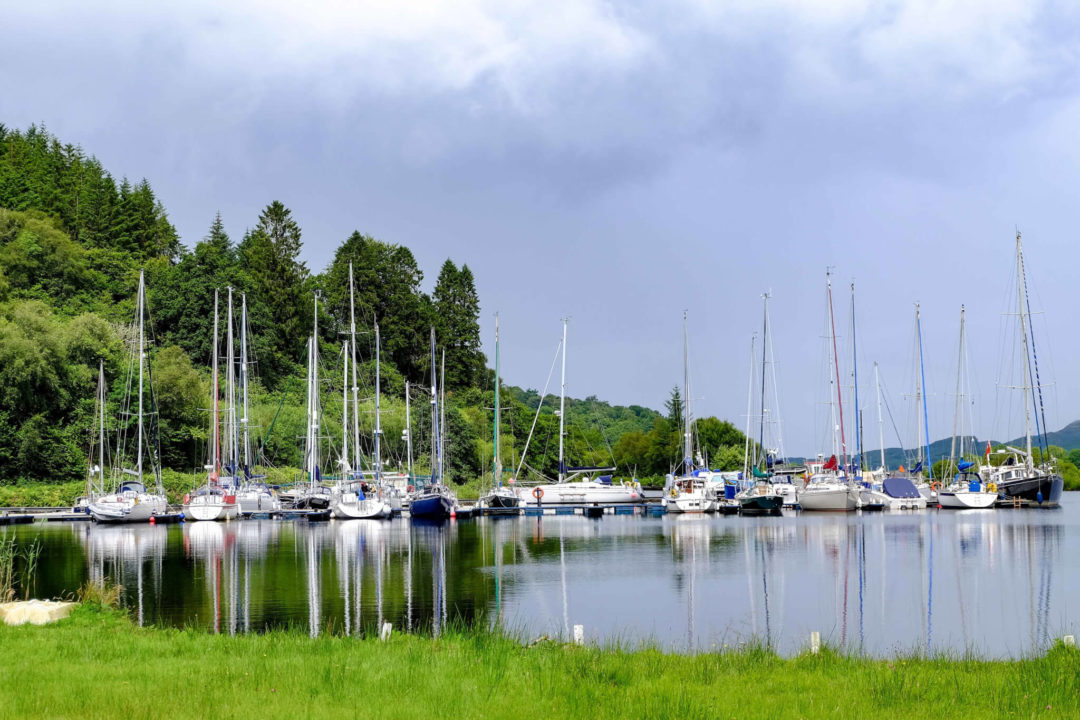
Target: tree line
[{"x": 72, "y": 242}]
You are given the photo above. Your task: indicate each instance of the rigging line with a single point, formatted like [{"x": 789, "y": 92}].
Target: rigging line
[
  {"x": 888, "y": 411},
  {"x": 539, "y": 405},
  {"x": 1037, "y": 385}
]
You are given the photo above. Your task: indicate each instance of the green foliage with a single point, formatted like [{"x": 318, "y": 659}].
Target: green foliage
[{"x": 457, "y": 312}]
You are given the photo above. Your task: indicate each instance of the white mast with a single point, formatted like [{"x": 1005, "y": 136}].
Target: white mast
[
  {"x": 378, "y": 425},
  {"x": 408, "y": 434},
  {"x": 230, "y": 387},
  {"x": 435, "y": 449},
  {"x": 749, "y": 410},
  {"x": 1023, "y": 334},
  {"x": 91, "y": 491},
  {"x": 355, "y": 387},
  {"x": 345, "y": 413},
  {"x": 880, "y": 423},
  {"x": 315, "y": 394},
  {"x": 497, "y": 469},
  {"x": 309, "y": 466},
  {"x": 688, "y": 457},
  {"x": 562, "y": 405},
  {"x": 442, "y": 416},
  {"x": 244, "y": 379},
  {"x": 142, "y": 356},
  {"x": 215, "y": 430},
  {"x": 959, "y": 390}
]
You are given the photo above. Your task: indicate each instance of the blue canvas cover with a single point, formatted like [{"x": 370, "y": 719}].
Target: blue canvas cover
[{"x": 899, "y": 487}]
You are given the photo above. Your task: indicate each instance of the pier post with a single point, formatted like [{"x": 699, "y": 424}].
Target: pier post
[
  {"x": 815, "y": 642},
  {"x": 384, "y": 634},
  {"x": 1069, "y": 641},
  {"x": 579, "y": 634}
]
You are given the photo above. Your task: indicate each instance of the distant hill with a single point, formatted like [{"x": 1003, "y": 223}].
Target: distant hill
[{"x": 1067, "y": 437}]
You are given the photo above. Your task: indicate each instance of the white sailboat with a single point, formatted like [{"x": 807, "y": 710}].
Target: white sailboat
[
  {"x": 95, "y": 477},
  {"x": 686, "y": 493},
  {"x": 828, "y": 486},
  {"x": 216, "y": 499},
  {"x": 130, "y": 500},
  {"x": 500, "y": 499},
  {"x": 893, "y": 492},
  {"x": 352, "y": 498},
  {"x": 254, "y": 496},
  {"x": 312, "y": 493},
  {"x": 586, "y": 491},
  {"x": 967, "y": 490}
]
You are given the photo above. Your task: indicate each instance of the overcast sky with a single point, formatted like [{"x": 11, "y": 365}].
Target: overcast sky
[{"x": 620, "y": 163}]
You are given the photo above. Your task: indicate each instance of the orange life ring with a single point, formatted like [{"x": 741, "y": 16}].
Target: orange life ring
[
  {"x": 538, "y": 492},
  {"x": 935, "y": 486}
]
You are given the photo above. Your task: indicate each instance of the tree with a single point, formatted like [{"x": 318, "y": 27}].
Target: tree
[
  {"x": 674, "y": 406},
  {"x": 457, "y": 313}
]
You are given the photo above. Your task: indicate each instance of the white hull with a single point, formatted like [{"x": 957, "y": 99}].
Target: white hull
[
  {"x": 214, "y": 509},
  {"x": 891, "y": 503},
  {"x": 965, "y": 499},
  {"x": 687, "y": 503},
  {"x": 127, "y": 508},
  {"x": 837, "y": 498},
  {"x": 257, "y": 501},
  {"x": 347, "y": 507},
  {"x": 581, "y": 493}
]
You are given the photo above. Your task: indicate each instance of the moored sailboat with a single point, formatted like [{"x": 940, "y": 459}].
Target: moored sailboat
[
  {"x": 499, "y": 500},
  {"x": 434, "y": 501}
]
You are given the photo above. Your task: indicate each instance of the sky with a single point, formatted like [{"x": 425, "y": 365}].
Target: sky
[{"x": 621, "y": 163}]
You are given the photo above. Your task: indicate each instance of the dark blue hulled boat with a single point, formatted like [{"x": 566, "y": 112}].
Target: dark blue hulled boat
[{"x": 434, "y": 502}]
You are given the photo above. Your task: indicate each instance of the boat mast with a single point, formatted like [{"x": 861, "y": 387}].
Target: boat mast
[
  {"x": 244, "y": 380},
  {"x": 922, "y": 388},
  {"x": 378, "y": 425},
  {"x": 408, "y": 435},
  {"x": 562, "y": 405},
  {"x": 90, "y": 492},
  {"x": 855, "y": 382},
  {"x": 1023, "y": 334},
  {"x": 215, "y": 429},
  {"x": 308, "y": 464},
  {"x": 836, "y": 365},
  {"x": 749, "y": 410},
  {"x": 435, "y": 449},
  {"x": 355, "y": 386},
  {"x": 764, "y": 353},
  {"x": 315, "y": 394},
  {"x": 880, "y": 422},
  {"x": 442, "y": 415},
  {"x": 230, "y": 387},
  {"x": 345, "y": 468},
  {"x": 497, "y": 480},
  {"x": 688, "y": 452},
  {"x": 959, "y": 389},
  {"x": 142, "y": 354}
]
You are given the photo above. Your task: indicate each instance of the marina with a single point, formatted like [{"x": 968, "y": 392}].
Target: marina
[{"x": 875, "y": 583}]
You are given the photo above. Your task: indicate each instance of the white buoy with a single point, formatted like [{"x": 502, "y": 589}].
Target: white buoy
[
  {"x": 815, "y": 642},
  {"x": 1069, "y": 641},
  {"x": 384, "y": 634},
  {"x": 579, "y": 634}
]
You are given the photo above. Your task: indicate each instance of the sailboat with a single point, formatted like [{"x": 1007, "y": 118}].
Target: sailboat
[
  {"x": 254, "y": 496},
  {"x": 96, "y": 470},
  {"x": 686, "y": 493},
  {"x": 215, "y": 500},
  {"x": 1017, "y": 477},
  {"x": 967, "y": 490},
  {"x": 892, "y": 492},
  {"x": 130, "y": 500},
  {"x": 312, "y": 494},
  {"x": 434, "y": 501},
  {"x": 759, "y": 496},
  {"x": 352, "y": 498},
  {"x": 828, "y": 486},
  {"x": 567, "y": 490},
  {"x": 500, "y": 500}
]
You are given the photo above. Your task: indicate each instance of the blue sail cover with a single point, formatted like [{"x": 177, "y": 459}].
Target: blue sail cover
[
  {"x": 899, "y": 487},
  {"x": 964, "y": 465}
]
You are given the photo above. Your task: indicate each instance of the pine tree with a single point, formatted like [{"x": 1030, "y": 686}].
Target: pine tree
[{"x": 457, "y": 314}]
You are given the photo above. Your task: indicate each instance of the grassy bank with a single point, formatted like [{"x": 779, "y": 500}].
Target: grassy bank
[{"x": 97, "y": 664}]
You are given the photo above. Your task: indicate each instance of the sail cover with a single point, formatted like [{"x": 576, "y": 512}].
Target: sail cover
[{"x": 899, "y": 487}]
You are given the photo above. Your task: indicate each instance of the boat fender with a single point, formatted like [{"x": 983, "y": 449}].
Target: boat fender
[
  {"x": 935, "y": 486},
  {"x": 992, "y": 487},
  {"x": 674, "y": 492},
  {"x": 538, "y": 492},
  {"x": 410, "y": 488},
  {"x": 1039, "y": 497},
  {"x": 187, "y": 498}
]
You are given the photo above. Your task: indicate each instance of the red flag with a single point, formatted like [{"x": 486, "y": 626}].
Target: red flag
[{"x": 988, "y": 451}]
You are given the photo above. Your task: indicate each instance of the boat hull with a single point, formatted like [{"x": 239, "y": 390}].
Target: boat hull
[
  {"x": 689, "y": 503},
  {"x": 257, "y": 502},
  {"x": 582, "y": 493},
  {"x": 1043, "y": 490},
  {"x": 966, "y": 500},
  {"x": 761, "y": 504},
  {"x": 437, "y": 507},
  {"x": 210, "y": 510},
  {"x": 834, "y": 499},
  {"x": 366, "y": 509},
  {"x": 127, "y": 509}
]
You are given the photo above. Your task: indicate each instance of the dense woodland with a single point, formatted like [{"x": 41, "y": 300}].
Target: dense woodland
[{"x": 72, "y": 242}]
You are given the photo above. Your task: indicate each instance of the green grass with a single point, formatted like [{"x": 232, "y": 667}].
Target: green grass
[{"x": 97, "y": 664}]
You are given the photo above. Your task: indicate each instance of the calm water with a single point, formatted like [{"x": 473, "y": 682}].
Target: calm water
[{"x": 996, "y": 582}]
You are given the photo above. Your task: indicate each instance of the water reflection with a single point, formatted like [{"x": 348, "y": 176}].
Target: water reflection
[{"x": 989, "y": 581}]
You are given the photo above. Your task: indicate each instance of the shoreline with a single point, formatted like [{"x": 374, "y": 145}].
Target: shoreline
[{"x": 98, "y": 663}]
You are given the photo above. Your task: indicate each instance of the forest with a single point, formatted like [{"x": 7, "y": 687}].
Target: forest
[{"x": 73, "y": 241}]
